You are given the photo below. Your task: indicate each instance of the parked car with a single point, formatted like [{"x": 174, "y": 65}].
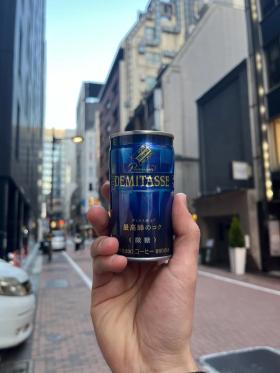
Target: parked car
[
  {"x": 17, "y": 305},
  {"x": 58, "y": 240}
]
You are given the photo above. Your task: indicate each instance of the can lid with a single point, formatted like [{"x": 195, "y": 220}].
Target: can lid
[{"x": 141, "y": 132}]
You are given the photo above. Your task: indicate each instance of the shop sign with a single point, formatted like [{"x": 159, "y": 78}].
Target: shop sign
[{"x": 241, "y": 170}]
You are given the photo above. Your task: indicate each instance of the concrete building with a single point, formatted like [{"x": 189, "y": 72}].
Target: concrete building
[
  {"x": 152, "y": 43},
  {"x": 22, "y": 75},
  {"x": 264, "y": 51},
  {"x": 59, "y": 167},
  {"x": 205, "y": 99},
  {"x": 87, "y": 157}
]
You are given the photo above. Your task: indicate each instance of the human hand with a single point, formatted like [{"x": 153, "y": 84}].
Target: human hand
[{"x": 143, "y": 312}]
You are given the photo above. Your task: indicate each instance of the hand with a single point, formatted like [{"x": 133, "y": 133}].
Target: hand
[{"x": 143, "y": 312}]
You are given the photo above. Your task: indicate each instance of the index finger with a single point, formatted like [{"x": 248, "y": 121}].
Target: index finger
[{"x": 105, "y": 190}]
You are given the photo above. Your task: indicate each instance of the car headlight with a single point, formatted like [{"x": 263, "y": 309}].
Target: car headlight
[{"x": 10, "y": 286}]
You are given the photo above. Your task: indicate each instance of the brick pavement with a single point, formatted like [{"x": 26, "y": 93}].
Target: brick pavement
[
  {"x": 63, "y": 339},
  {"x": 227, "y": 317}
]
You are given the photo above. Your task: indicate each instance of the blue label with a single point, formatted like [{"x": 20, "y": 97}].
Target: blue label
[{"x": 142, "y": 184}]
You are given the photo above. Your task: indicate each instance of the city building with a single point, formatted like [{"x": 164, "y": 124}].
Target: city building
[
  {"x": 263, "y": 20},
  {"x": 152, "y": 43},
  {"x": 22, "y": 76},
  {"x": 59, "y": 175},
  {"x": 204, "y": 97},
  {"x": 87, "y": 156}
]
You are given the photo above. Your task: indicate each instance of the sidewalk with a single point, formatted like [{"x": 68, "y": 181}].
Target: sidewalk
[
  {"x": 63, "y": 339},
  {"x": 228, "y": 316}
]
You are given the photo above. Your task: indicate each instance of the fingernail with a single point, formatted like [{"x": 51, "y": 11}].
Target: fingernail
[{"x": 183, "y": 197}]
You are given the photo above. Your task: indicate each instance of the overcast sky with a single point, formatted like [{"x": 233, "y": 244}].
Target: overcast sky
[{"x": 82, "y": 38}]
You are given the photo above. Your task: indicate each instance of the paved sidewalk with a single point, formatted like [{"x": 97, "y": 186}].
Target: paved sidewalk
[
  {"x": 228, "y": 316},
  {"x": 63, "y": 339}
]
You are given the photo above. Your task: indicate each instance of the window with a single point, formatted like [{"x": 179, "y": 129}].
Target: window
[
  {"x": 153, "y": 58},
  {"x": 273, "y": 62},
  {"x": 17, "y": 139},
  {"x": 150, "y": 83},
  {"x": 166, "y": 10},
  {"x": 90, "y": 187},
  {"x": 150, "y": 33},
  {"x": 90, "y": 171},
  {"x": 266, "y": 6}
]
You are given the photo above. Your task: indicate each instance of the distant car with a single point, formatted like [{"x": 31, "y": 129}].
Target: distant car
[
  {"x": 17, "y": 305},
  {"x": 58, "y": 240}
]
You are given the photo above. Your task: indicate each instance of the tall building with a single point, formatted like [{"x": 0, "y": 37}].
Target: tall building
[
  {"x": 59, "y": 173},
  {"x": 22, "y": 74},
  {"x": 205, "y": 102},
  {"x": 151, "y": 44},
  {"x": 87, "y": 157},
  {"x": 263, "y": 20}
]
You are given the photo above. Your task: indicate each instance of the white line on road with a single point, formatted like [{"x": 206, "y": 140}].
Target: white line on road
[
  {"x": 239, "y": 283},
  {"x": 78, "y": 269},
  {"x": 88, "y": 281}
]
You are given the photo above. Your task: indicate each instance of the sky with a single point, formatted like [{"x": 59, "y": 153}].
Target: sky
[{"x": 82, "y": 37}]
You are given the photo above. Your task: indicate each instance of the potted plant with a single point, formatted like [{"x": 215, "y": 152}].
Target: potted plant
[{"x": 237, "y": 250}]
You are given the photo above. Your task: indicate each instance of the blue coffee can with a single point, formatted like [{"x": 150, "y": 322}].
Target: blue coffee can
[{"x": 141, "y": 193}]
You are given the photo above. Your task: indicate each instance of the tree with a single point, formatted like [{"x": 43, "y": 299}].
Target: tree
[{"x": 236, "y": 236}]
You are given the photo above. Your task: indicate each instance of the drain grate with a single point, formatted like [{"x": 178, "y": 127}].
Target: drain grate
[
  {"x": 250, "y": 360},
  {"x": 16, "y": 367}
]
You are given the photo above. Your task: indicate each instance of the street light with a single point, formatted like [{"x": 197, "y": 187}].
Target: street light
[{"x": 77, "y": 139}]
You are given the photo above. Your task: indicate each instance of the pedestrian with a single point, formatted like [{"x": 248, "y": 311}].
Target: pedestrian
[
  {"x": 50, "y": 246},
  {"x": 143, "y": 312},
  {"x": 78, "y": 241}
]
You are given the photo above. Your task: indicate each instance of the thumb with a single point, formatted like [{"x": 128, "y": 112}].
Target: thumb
[{"x": 187, "y": 234}]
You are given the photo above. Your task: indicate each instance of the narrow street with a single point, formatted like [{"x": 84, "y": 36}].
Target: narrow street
[{"x": 230, "y": 314}]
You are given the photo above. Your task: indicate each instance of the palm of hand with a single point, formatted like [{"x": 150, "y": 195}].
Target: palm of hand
[
  {"x": 142, "y": 312},
  {"x": 143, "y": 308}
]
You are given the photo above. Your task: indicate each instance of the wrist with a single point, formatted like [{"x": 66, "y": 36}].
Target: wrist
[{"x": 175, "y": 364}]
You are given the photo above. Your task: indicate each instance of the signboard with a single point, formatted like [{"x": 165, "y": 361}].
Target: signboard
[
  {"x": 274, "y": 237},
  {"x": 241, "y": 170}
]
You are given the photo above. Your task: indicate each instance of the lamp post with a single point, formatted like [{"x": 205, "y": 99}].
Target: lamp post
[{"x": 77, "y": 139}]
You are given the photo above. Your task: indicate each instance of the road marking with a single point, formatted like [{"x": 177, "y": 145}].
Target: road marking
[
  {"x": 239, "y": 283},
  {"x": 88, "y": 281},
  {"x": 38, "y": 265},
  {"x": 79, "y": 270}
]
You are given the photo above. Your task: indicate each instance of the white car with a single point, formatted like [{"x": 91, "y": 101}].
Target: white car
[
  {"x": 17, "y": 305},
  {"x": 58, "y": 241}
]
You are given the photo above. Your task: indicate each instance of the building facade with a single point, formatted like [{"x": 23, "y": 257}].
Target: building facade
[
  {"x": 59, "y": 174},
  {"x": 151, "y": 44},
  {"x": 263, "y": 20},
  {"x": 22, "y": 75},
  {"x": 87, "y": 157},
  {"x": 205, "y": 99}
]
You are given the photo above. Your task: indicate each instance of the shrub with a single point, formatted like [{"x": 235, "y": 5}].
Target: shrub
[{"x": 236, "y": 236}]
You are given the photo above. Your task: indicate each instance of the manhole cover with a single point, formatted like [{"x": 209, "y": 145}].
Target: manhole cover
[
  {"x": 59, "y": 283},
  {"x": 250, "y": 360},
  {"x": 16, "y": 367}
]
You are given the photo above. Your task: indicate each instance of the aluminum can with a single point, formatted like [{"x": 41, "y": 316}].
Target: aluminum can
[{"x": 141, "y": 193}]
